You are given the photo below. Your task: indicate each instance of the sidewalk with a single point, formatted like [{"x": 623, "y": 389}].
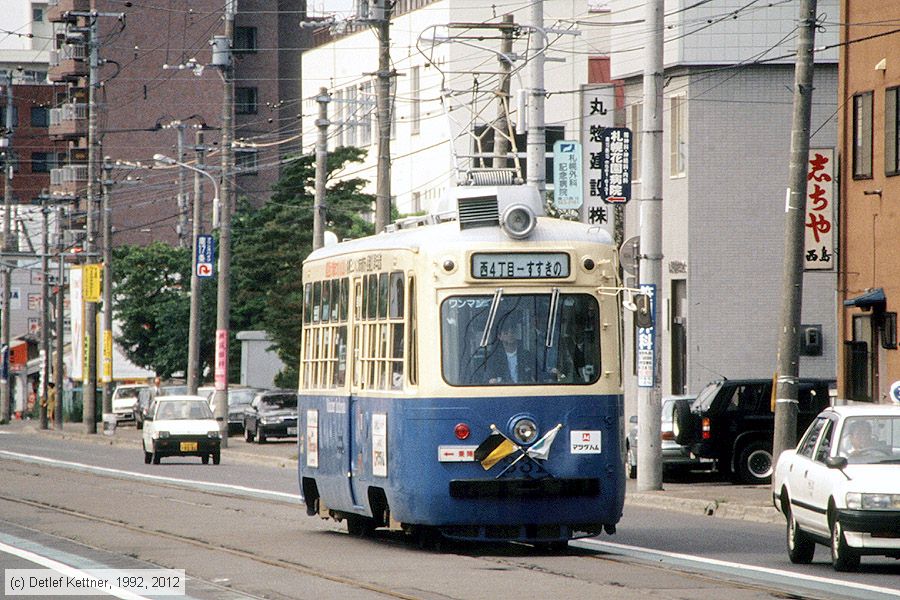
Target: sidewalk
[{"x": 698, "y": 493}]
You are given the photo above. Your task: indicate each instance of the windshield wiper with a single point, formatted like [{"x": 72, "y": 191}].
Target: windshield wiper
[
  {"x": 492, "y": 315},
  {"x": 551, "y": 318}
]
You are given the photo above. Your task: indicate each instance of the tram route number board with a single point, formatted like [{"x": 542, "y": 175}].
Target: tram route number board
[{"x": 520, "y": 265}]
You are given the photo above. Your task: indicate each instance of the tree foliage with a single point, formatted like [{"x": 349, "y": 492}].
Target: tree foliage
[{"x": 269, "y": 243}]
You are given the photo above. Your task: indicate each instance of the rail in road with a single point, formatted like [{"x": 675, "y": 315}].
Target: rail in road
[{"x": 253, "y": 530}]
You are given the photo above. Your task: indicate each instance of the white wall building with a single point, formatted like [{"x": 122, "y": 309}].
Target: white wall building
[
  {"x": 729, "y": 74},
  {"x": 26, "y": 40},
  {"x": 422, "y": 168}
]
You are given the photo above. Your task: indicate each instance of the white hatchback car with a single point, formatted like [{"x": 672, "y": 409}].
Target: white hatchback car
[
  {"x": 181, "y": 426},
  {"x": 841, "y": 486}
]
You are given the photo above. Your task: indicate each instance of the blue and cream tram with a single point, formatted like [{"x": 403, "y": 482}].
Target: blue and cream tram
[{"x": 463, "y": 377}]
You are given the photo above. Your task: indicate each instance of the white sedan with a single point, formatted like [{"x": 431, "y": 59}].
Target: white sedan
[
  {"x": 181, "y": 426},
  {"x": 841, "y": 486}
]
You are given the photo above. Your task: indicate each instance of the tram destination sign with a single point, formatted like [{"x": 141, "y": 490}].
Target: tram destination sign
[{"x": 520, "y": 265}]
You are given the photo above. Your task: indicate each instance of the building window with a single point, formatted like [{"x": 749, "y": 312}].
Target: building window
[
  {"x": 678, "y": 135},
  {"x": 245, "y": 100},
  {"x": 891, "y": 132},
  {"x": 40, "y": 116},
  {"x": 416, "y": 202},
  {"x": 245, "y": 161},
  {"x": 415, "y": 110},
  {"x": 637, "y": 118},
  {"x": 42, "y": 162},
  {"x": 366, "y": 103},
  {"x": 350, "y": 116},
  {"x": 37, "y": 14},
  {"x": 862, "y": 135},
  {"x": 245, "y": 40}
]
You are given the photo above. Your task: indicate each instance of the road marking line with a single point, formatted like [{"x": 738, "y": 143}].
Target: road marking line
[
  {"x": 766, "y": 574},
  {"x": 65, "y": 569},
  {"x": 205, "y": 485}
]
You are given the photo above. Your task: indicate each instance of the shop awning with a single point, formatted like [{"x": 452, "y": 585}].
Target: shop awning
[{"x": 873, "y": 297}]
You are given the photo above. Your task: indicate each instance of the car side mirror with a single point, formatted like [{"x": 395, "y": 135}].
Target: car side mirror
[{"x": 836, "y": 462}]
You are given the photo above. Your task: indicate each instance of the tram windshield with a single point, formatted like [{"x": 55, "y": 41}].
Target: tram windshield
[{"x": 520, "y": 339}]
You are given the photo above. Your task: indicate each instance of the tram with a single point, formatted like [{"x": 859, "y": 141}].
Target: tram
[{"x": 462, "y": 376}]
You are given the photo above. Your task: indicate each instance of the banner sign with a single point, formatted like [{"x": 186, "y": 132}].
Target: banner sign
[
  {"x": 646, "y": 343},
  {"x": 819, "y": 237},
  {"x": 205, "y": 255},
  {"x": 567, "y": 175},
  {"x": 597, "y": 109}
]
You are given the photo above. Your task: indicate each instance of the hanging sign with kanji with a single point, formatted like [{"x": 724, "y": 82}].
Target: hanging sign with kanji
[
  {"x": 597, "y": 115},
  {"x": 819, "y": 237}
]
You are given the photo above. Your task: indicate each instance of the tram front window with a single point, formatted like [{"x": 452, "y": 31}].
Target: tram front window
[{"x": 513, "y": 347}]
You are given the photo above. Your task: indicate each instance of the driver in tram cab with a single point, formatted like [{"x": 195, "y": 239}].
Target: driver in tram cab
[{"x": 509, "y": 362}]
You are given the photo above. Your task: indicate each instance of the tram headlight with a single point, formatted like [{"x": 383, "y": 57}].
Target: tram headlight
[
  {"x": 518, "y": 221},
  {"x": 524, "y": 430}
]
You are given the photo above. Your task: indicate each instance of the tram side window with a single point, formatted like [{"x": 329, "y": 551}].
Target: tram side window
[
  {"x": 324, "y": 339},
  {"x": 317, "y": 298},
  {"x": 380, "y": 339},
  {"x": 307, "y": 299},
  {"x": 413, "y": 353}
]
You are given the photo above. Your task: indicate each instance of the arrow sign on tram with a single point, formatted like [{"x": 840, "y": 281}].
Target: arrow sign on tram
[{"x": 205, "y": 255}]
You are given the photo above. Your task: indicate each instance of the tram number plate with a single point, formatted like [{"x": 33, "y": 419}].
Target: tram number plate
[
  {"x": 188, "y": 446},
  {"x": 520, "y": 265}
]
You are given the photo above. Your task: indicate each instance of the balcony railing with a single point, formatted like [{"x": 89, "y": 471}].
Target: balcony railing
[
  {"x": 69, "y": 120},
  {"x": 68, "y": 180}
]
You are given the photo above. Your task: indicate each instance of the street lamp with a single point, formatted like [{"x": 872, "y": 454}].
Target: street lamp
[{"x": 194, "y": 331}]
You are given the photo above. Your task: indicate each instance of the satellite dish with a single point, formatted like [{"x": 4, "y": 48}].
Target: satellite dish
[{"x": 629, "y": 255}]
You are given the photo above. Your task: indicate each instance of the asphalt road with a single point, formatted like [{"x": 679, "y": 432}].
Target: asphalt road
[{"x": 250, "y": 509}]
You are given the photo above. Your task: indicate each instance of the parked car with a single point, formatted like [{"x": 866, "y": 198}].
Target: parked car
[
  {"x": 181, "y": 426},
  {"x": 238, "y": 401},
  {"x": 841, "y": 486},
  {"x": 271, "y": 413},
  {"x": 674, "y": 455},
  {"x": 124, "y": 398},
  {"x": 208, "y": 392},
  {"x": 142, "y": 405},
  {"x": 732, "y": 422}
]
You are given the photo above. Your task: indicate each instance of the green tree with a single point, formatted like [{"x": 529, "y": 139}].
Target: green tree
[
  {"x": 152, "y": 305},
  {"x": 271, "y": 242}
]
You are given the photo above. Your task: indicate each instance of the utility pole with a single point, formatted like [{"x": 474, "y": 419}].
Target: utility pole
[
  {"x": 45, "y": 310},
  {"x": 649, "y": 397},
  {"x": 321, "y": 169},
  {"x": 107, "y": 375},
  {"x": 536, "y": 141},
  {"x": 786, "y": 388},
  {"x": 7, "y": 243},
  {"x": 382, "y": 24},
  {"x": 182, "y": 196},
  {"x": 194, "y": 330},
  {"x": 60, "y": 318},
  {"x": 501, "y": 143},
  {"x": 223, "y": 298},
  {"x": 89, "y": 397}
]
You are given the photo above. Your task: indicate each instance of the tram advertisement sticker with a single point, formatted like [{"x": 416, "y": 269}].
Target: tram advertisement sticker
[{"x": 584, "y": 442}]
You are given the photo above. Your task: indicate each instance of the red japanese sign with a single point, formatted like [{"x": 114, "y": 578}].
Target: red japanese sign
[{"x": 820, "y": 224}]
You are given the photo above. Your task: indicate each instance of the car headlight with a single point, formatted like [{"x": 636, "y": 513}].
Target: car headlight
[
  {"x": 862, "y": 501},
  {"x": 213, "y": 434},
  {"x": 158, "y": 435}
]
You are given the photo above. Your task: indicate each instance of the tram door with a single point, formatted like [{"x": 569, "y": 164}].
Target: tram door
[{"x": 355, "y": 420}]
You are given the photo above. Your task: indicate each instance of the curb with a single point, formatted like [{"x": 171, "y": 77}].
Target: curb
[{"x": 711, "y": 508}]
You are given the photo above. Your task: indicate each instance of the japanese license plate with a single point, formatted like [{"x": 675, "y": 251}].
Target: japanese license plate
[
  {"x": 188, "y": 446},
  {"x": 292, "y": 430}
]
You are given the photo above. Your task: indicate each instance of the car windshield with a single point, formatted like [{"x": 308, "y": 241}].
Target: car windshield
[
  {"x": 870, "y": 440},
  {"x": 173, "y": 390},
  {"x": 280, "y": 401},
  {"x": 240, "y": 397},
  {"x": 128, "y": 392},
  {"x": 504, "y": 339},
  {"x": 175, "y": 410}
]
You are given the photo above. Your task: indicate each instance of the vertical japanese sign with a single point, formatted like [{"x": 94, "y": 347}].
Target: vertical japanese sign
[
  {"x": 76, "y": 318},
  {"x": 107, "y": 356},
  {"x": 597, "y": 108},
  {"x": 819, "y": 237},
  {"x": 567, "y": 176},
  {"x": 205, "y": 255},
  {"x": 221, "y": 358},
  {"x": 93, "y": 278},
  {"x": 646, "y": 342},
  {"x": 615, "y": 183}
]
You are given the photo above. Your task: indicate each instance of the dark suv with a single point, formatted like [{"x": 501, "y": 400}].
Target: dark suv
[{"x": 732, "y": 422}]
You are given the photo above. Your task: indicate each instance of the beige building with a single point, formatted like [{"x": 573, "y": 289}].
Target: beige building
[{"x": 869, "y": 132}]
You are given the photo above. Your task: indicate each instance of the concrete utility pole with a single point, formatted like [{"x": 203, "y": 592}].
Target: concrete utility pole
[
  {"x": 536, "y": 141},
  {"x": 223, "y": 297},
  {"x": 182, "y": 196},
  {"x": 794, "y": 222},
  {"x": 5, "y": 396},
  {"x": 89, "y": 397},
  {"x": 194, "y": 330},
  {"x": 321, "y": 169},
  {"x": 649, "y": 475},
  {"x": 107, "y": 375},
  {"x": 60, "y": 307},
  {"x": 501, "y": 144},
  {"x": 45, "y": 310},
  {"x": 382, "y": 24}
]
